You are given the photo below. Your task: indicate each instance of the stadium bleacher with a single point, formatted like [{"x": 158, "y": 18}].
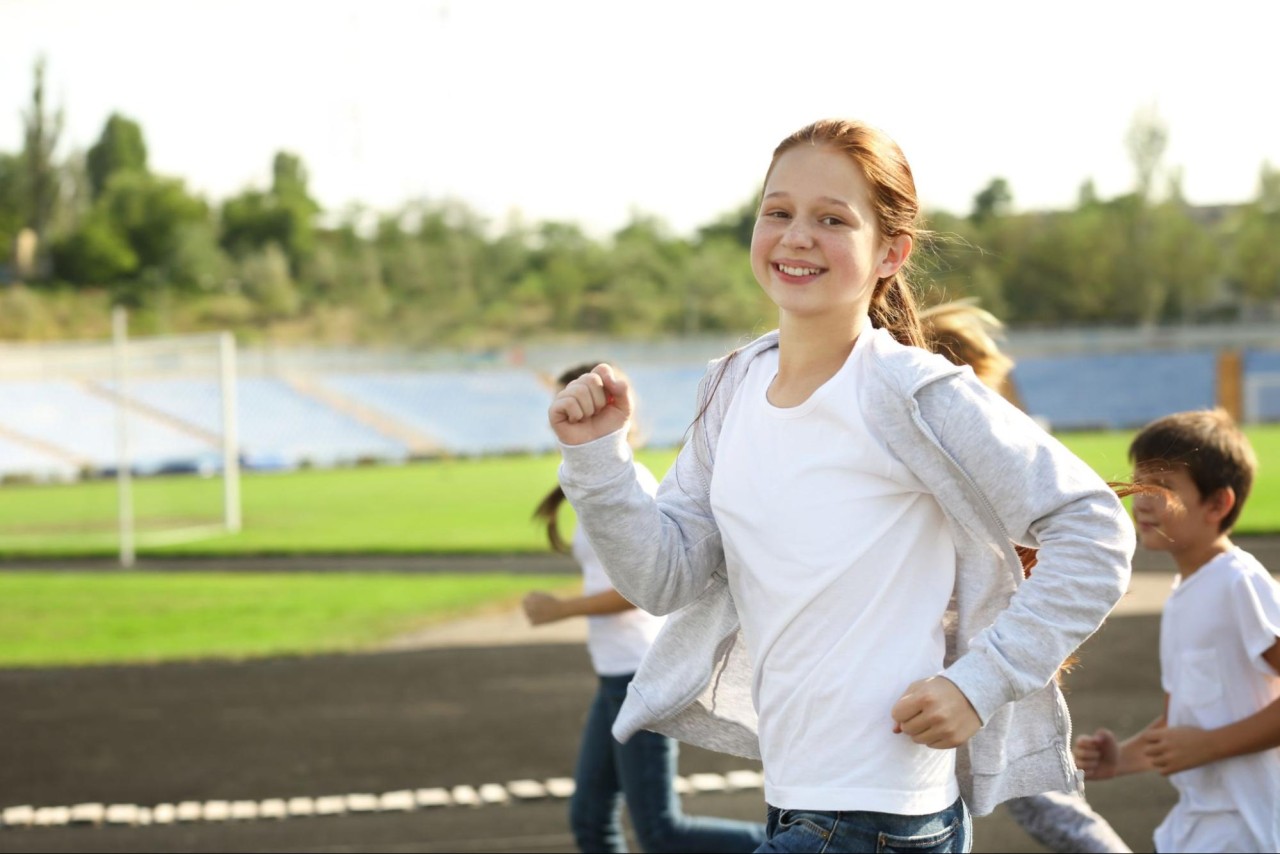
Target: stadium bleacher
[
  {"x": 57, "y": 429},
  {"x": 1117, "y": 391},
  {"x": 279, "y": 427},
  {"x": 466, "y": 412}
]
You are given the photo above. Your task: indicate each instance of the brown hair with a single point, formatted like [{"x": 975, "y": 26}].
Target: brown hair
[
  {"x": 893, "y": 198},
  {"x": 965, "y": 334},
  {"x": 1209, "y": 445},
  {"x": 548, "y": 509},
  {"x": 962, "y": 332}
]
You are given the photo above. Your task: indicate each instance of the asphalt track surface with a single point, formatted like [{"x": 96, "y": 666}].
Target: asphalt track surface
[{"x": 413, "y": 719}]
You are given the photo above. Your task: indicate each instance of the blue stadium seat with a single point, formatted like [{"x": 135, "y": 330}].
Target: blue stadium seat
[
  {"x": 66, "y": 415},
  {"x": 279, "y": 426},
  {"x": 1118, "y": 391},
  {"x": 467, "y": 412}
]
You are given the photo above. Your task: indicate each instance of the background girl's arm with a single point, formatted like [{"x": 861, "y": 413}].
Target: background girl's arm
[
  {"x": 541, "y": 607},
  {"x": 1175, "y": 749}
]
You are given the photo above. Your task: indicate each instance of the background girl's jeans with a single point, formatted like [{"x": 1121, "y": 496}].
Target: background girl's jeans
[
  {"x": 804, "y": 830},
  {"x": 643, "y": 772}
]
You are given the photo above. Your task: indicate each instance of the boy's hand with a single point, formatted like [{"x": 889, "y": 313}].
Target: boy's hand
[
  {"x": 541, "y": 608},
  {"x": 1097, "y": 755},
  {"x": 593, "y": 405},
  {"x": 935, "y": 713},
  {"x": 1174, "y": 749}
]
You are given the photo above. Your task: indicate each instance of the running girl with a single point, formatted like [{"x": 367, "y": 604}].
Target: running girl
[{"x": 845, "y": 501}]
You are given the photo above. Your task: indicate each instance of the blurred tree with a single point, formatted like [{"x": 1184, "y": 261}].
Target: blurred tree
[
  {"x": 41, "y": 131},
  {"x": 285, "y": 215},
  {"x": 1184, "y": 258},
  {"x": 96, "y": 253},
  {"x": 736, "y": 225},
  {"x": 994, "y": 200},
  {"x": 151, "y": 211},
  {"x": 120, "y": 148},
  {"x": 12, "y": 213},
  {"x": 267, "y": 281},
  {"x": 195, "y": 261},
  {"x": 1146, "y": 141},
  {"x": 1146, "y": 293},
  {"x": 1254, "y": 263},
  {"x": 719, "y": 291},
  {"x": 1087, "y": 195}
]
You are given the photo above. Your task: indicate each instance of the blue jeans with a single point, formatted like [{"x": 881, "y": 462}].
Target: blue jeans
[
  {"x": 816, "y": 830},
  {"x": 642, "y": 772}
]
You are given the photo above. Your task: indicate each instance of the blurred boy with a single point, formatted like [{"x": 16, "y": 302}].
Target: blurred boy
[{"x": 1218, "y": 740}]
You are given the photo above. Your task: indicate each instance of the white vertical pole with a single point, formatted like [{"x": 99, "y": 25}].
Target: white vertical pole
[
  {"x": 124, "y": 482},
  {"x": 230, "y": 436}
]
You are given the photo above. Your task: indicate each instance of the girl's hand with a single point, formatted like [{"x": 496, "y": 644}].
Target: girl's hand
[
  {"x": 541, "y": 608},
  {"x": 1097, "y": 755},
  {"x": 1174, "y": 749},
  {"x": 593, "y": 405},
  {"x": 935, "y": 713}
]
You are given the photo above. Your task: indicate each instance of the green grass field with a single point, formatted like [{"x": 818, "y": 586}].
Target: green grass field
[
  {"x": 461, "y": 506},
  {"x": 458, "y": 506},
  {"x": 75, "y": 618},
  {"x": 475, "y": 506}
]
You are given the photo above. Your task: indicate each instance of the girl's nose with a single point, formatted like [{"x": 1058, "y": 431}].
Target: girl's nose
[{"x": 797, "y": 234}]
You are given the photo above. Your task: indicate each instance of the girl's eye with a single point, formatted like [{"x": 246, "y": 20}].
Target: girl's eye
[
  {"x": 776, "y": 214},
  {"x": 832, "y": 220}
]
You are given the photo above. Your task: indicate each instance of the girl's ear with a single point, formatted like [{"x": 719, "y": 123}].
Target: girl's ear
[{"x": 895, "y": 256}]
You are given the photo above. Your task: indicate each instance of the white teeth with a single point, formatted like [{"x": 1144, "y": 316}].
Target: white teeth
[{"x": 798, "y": 271}]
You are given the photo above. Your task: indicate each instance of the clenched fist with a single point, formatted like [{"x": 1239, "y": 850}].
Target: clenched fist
[
  {"x": 1097, "y": 755},
  {"x": 593, "y": 405},
  {"x": 935, "y": 713}
]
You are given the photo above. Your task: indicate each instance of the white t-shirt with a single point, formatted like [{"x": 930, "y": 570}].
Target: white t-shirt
[
  {"x": 1215, "y": 627},
  {"x": 615, "y": 642},
  {"x": 841, "y": 567}
]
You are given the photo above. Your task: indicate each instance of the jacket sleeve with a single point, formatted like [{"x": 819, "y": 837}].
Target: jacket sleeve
[
  {"x": 1042, "y": 495},
  {"x": 659, "y": 553}
]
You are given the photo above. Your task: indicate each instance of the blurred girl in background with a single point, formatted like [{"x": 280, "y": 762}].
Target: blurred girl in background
[
  {"x": 642, "y": 771},
  {"x": 965, "y": 334}
]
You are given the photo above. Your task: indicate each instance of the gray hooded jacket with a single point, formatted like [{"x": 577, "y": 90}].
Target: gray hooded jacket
[{"x": 999, "y": 478}]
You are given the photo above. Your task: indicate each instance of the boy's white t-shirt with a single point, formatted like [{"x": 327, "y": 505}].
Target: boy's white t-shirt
[
  {"x": 1214, "y": 629},
  {"x": 616, "y": 642},
  {"x": 841, "y": 567}
]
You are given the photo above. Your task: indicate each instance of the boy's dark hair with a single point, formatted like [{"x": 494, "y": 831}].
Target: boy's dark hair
[{"x": 1208, "y": 445}]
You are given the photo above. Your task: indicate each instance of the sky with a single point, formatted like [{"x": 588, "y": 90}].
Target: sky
[{"x": 590, "y": 111}]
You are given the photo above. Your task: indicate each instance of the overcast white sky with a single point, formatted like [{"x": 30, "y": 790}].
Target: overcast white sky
[{"x": 585, "y": 110}]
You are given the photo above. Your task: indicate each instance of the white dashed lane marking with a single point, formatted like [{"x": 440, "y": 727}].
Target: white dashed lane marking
[{"x": 405, "y": 800}]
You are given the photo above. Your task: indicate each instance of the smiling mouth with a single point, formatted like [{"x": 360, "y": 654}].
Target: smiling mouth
[{"x": 798, "y": 272}]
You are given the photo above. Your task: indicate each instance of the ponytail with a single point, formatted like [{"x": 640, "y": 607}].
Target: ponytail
[
  {"x": 547, "y": 512},
  {"x": 894, "y": 308}
]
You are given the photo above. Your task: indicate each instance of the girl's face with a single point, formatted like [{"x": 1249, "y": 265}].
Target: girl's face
[{"x": 817, "y": 246}]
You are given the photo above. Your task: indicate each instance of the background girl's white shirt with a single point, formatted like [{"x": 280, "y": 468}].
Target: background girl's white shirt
[
  {"x": 616, "y": 642},
  {"x": 841, "y": 566},
  {"x": 1214, "y": 629}
]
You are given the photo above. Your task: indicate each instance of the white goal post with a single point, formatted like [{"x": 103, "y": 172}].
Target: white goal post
[
  {"x": 1261, "y": 397},
  {"x": 73, "y": 414},
  {"x": 153, "y": 352}
]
